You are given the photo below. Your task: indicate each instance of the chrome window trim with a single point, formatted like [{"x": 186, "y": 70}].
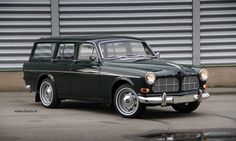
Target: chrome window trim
[
  {"x": 94, "y": 44},
  {"x": 99, "y": 45}
]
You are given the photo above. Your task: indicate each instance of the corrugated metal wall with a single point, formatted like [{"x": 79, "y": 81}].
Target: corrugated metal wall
[
  {"x": 166, "y": 25},
  {"x": 21, "y": 22},
  {"x": 218, "y": 31}
]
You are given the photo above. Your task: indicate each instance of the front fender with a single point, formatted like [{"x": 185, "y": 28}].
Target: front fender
[{"x": 121, "y": 78}]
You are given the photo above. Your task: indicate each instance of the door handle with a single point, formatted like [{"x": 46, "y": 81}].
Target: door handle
[
  {"x": 76, "y": 61},
  {"x": 54, "y": 60}
]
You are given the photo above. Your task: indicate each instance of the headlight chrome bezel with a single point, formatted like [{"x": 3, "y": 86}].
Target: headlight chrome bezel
[
  {"x": 204, "y": 74},
  {"x": 150, "y": 78}
]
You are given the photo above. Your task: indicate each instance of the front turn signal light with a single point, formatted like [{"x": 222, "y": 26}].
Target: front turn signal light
[{"x": 145, "y": 90}]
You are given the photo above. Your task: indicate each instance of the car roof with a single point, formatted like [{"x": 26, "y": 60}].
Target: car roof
[{"x": 87, "y": 38}]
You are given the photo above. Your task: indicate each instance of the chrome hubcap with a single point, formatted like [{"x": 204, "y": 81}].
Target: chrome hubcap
[
  {"x": 46, "y": 93},
  {"x": 127, "y": 101}
]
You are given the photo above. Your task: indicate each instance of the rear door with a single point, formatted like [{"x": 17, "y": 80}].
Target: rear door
[{"x": 61, "y": 64}]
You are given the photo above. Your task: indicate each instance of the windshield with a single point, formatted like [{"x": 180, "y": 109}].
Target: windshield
[{"x": 121, "y": 49}]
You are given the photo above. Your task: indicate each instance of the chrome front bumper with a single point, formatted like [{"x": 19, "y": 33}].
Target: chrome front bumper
[{"x": 166, "y": 100}]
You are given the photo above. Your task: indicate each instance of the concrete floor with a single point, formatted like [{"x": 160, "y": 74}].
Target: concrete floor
[{"x": 23, "y": 119}]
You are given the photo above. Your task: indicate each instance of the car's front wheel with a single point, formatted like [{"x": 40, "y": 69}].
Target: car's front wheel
[
  {"x": 186, "y": 107},
  {"x": 47, "y": 94},
  {"x": 126, "y": 102}
]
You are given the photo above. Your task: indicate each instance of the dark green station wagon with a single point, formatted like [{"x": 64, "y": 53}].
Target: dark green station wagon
[{"x": 120, "y": 71}]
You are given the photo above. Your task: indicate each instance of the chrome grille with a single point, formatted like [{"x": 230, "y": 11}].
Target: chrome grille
[
  {"x": 190, "y": 83},
  {"x": 166, "y": 85}
]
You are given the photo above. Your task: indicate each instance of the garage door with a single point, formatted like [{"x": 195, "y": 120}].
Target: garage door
[
  {"x": 165, "y": 24},
  {"x": 21, "y": 22},
  {"x": 218, "y": 32}
]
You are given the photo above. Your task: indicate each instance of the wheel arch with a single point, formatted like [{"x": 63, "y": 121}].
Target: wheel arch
[
  {"x": 117, "y": 83},
  {"x": 42, "y": 77}
]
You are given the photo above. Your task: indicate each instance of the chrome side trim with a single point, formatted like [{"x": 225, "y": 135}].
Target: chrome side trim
[
  {"x": 58, "y": 71},
  {"x": 82, "y": 72},
  {"x": 174, "y": 65},
  {"x": 165, "y": 100},
  {"x": 113, "y": 74}
]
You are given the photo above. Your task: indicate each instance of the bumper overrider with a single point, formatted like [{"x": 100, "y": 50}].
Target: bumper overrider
[{"x": 169, "y": 100}]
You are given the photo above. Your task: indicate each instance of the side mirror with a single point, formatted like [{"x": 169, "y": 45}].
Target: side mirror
[
  {"x": 157, "y": 54},
  {"x": 92, "y": 58}
]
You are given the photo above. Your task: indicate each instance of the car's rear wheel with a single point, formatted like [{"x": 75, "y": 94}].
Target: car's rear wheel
[
  {"x": 186, "y": 107},
  {"x": 47, "y": 94},
  {"x": 126, "y": 102}
]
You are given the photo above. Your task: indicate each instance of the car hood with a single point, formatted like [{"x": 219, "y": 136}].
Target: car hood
[{"x": 161, "y": 67}]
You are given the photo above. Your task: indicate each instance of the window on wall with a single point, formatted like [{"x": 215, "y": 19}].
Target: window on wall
[
  {"x": 86, "y": 50},
  {"x": 44, "y": 50},
  {"x": 66, "y": 51}
]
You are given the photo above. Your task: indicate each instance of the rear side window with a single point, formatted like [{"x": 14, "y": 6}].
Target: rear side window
[
  {"x": 66, "y": 51},
  {"x": 44, "y": 50}
]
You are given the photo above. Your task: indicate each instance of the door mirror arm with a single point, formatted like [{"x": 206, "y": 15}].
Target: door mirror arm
[{"x": 157, "y": 54}]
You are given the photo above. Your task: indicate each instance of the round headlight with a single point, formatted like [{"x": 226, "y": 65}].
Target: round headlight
[
  {"x": 204, "y": 74},
  {"x": 150, "y": 78}
]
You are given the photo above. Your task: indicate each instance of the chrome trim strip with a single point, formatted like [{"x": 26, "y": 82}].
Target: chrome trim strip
[
  {"x": 49, "y": 71},
  {"x": 82, "y": 72},
  {"x": 113, "y": 74},
  {"x": 68, "y": 72},
  {"x": 165, "y": 100},
  {"x": 174, "y": 65}
]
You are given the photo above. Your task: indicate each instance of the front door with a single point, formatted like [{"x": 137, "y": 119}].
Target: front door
[{"x": 85, "y": 70}]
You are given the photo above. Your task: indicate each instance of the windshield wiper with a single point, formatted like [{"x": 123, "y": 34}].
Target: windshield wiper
[
  {"x": 117, "y": 57},
  {"x": 128, "y": 56},
  {"x": 139, "y": 56}
]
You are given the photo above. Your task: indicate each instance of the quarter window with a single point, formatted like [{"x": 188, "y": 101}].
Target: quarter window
[
  {"x": 44, "y": 50},
  {"x": 66, "y": 51}
]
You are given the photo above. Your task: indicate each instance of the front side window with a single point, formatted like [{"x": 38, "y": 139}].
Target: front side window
[
  {"x": 44, "y": 50},
  {"x": 124, "y": 48},
  {"x": 66, "y": 51},
  {"x": 86, "y": 50}
]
